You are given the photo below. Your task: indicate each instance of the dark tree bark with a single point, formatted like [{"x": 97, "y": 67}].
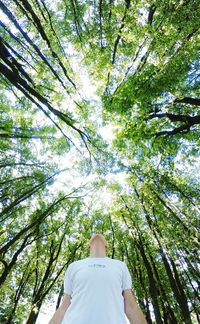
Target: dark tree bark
[
  {"x": 36, "y": 222},
  {"x": 60, "y": 296},
  {"x": 187, "y": 100},
  {"x": 19, "y": 292},
  {"x": 152, "y": 283},
  {"x": 174, "y": 279},
  {"x": 25, "y": 195},
  {"x": 128, "y": 4},
  {"x": 41, "y": 31},
  {"x": 151, "y": 13},
  {"x": 8, "y": 266},
  {"x": 41, "y": 290}
]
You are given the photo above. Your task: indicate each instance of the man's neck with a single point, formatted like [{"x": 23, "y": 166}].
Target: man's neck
[{"x": 97, "y": 254}]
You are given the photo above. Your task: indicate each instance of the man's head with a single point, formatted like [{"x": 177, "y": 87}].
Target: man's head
[{"x": 98, "y": 239}]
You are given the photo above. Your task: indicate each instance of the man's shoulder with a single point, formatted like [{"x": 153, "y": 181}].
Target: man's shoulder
[
  {"x": 87, "y": 259},
  {"x": 77, "y": 262},
  {"x": 118, "y": 261}
]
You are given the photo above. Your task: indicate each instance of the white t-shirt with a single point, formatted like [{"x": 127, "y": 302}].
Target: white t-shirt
[{"x": 96, "y": 286}]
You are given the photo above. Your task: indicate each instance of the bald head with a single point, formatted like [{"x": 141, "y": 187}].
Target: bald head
[{"x": 98, "y": 239}]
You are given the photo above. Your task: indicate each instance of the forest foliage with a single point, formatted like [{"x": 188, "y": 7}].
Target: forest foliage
[{"x": 99, "y": 128}]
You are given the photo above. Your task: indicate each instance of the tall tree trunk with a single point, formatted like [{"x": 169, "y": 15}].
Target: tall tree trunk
[
  {"x": 34, "y": 313},
  {"x": 152, "y": 284}
]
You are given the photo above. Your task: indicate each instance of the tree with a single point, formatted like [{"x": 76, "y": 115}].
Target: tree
[{"x": 68, "y": 69}]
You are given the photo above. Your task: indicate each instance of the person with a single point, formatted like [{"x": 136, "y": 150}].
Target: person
[{"x": 97, "y": 290}]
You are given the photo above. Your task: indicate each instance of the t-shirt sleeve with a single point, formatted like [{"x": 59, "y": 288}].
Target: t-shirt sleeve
[
  {"x": 68, "y": 281},
  {"x": 126, "y": 278}
]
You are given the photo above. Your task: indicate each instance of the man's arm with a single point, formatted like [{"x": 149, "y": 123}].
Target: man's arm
[
  {"x": 59, "y": 314},
  {"x": 132, "y": 309}
]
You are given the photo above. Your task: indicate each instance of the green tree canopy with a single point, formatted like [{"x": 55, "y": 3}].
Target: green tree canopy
[{"x": 99, "y": 129}]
